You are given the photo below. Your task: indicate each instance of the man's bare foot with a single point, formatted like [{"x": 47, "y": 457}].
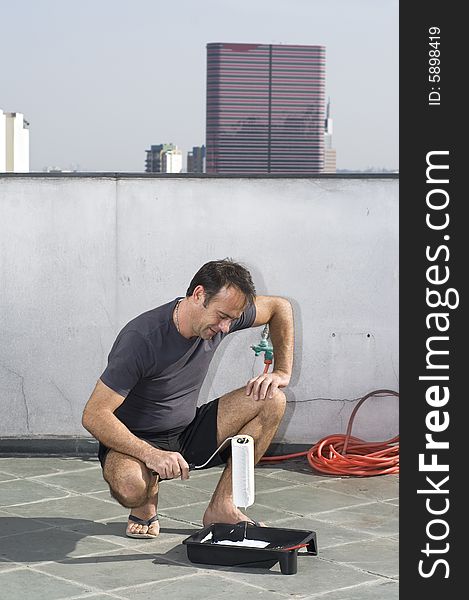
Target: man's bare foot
[
  {"x": 147, "y": 529},
  {"x": 149, "y": 526},
  {"x": 227, "y": 513}
]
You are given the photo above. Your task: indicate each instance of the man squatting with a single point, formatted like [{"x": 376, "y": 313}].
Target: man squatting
[{"x": 143, "y": 410}]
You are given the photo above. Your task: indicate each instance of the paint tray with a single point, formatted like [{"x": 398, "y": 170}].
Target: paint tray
[{"x": 215, "y": 545}]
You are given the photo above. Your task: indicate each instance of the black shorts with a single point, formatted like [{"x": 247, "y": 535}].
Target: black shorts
[{"x": 196, "y": 442}]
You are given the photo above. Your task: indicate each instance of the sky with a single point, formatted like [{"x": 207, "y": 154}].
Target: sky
[{"x": 100, "y": 81}]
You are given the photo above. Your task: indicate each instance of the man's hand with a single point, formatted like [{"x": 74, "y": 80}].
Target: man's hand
[
  {"x": 168, "y": 465},
  {"x": 265, "y": 385}
]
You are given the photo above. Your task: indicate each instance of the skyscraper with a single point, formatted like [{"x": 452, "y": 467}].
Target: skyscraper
[
  {"x": 196, "y": 160},
  {"x": 330, "y": 157},
  {"x": 153, "y": 159},
  {"x": 171, "y": 161},
  {"x": 265, "y": 108},
  {"x": 14, "y": 142},
  {"x": 163, "y": 158}
]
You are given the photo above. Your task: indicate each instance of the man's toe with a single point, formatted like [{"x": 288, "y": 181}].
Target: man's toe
[
  {"x": 141, "y": 529},
  {"x": 136, "y": 528}
]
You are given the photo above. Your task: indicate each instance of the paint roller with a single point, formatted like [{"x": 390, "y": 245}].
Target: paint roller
[
  {"x": 242, "y": 463},
  {"x": 242, "y": 468}
]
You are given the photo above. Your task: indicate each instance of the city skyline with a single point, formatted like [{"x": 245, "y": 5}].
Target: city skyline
[{"x": 102, "y": 82}]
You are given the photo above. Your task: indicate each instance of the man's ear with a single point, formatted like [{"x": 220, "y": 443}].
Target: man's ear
[{"x": 198, "y": 295}]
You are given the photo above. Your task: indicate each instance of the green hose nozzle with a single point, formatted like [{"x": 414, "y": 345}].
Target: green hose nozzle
[{"x": 264, "y": 345}]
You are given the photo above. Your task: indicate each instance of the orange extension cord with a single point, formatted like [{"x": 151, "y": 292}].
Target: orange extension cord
[{"x": 363, "y": 459}]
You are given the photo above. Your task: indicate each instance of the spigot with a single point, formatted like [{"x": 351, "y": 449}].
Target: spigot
[{"x": 264, "y": 346}]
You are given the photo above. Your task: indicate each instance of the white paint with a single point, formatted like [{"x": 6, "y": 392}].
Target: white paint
[{"x": 245, "y": 543}]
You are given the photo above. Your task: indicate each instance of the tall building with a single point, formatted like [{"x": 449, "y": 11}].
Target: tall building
[
  {"x": 163, "y": 158},
  {"x": 265, "y": 108},
  {"x": 153, "y": 159},
  {"x": 196, "y": 160},
  {"x": 171, "y": 161},
  {"x": 330, "y": 156},
  {"x": 14, "y": 143}
]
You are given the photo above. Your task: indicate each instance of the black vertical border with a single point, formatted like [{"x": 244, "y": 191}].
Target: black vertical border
[{"x": 425, "y": 128}]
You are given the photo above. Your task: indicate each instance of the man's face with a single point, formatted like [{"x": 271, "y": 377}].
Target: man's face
[{"x": 226, "y": 306}]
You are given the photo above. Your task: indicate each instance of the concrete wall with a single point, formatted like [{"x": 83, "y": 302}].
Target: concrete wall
[{"x": 80, "y": 256}]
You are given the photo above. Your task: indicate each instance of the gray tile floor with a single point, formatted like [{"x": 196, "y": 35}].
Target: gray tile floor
[{"x": 61, "y": 536}]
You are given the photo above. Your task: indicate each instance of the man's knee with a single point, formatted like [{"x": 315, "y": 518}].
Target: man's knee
[
  {"x": 279, "y": 400},
  {"x": 279, "y": 396},
  {"x": 125, "y": 479},
  {"x": 128, "y": 496},
  {"x": 274, "y": 407}
]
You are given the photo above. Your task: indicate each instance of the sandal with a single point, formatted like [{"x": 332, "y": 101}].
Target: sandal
[
  {"x": 255, "y": 523},
  {"x": 146, "y": 522}
]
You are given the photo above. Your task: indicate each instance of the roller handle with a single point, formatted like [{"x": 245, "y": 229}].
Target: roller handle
[{"x": 191, "y": 468}]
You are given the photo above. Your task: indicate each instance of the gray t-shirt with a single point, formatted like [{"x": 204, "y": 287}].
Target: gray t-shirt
[{"x": 160, "y": 372}]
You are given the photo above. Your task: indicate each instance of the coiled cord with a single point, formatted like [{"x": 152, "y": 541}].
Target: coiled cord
[{"x": 341, "y": 454}]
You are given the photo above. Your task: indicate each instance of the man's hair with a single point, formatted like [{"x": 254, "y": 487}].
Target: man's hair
[{"x": 216, "y": 274}]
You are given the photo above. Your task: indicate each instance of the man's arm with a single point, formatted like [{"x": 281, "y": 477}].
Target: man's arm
[
  {"x": 99, "y": 419},
  {"x": 277, "y": 312}
]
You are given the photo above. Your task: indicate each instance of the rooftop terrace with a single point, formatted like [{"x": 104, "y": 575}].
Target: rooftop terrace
[{"x": 62, "y": 536}]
